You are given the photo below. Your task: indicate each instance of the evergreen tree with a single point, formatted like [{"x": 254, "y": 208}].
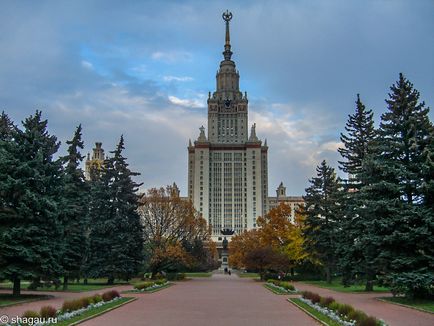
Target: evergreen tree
[
  {"x": 322, "y": 210},
  {"x": 360, "y": 134},
  {"x": 6, "y": 127},
  {"x": 74, "y": 210},
  {"x": 116, "y": 237},
  {"x": 30, "y": 180},
  {"x": 395, "y": 195}
]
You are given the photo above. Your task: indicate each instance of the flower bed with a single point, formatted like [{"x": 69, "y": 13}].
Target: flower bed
[
  {"x": 71, "y": 308},
  {"x": 281, "y": 286},
  {"x": 150, "y": 285},
  {"x": 343, "y": 314}
]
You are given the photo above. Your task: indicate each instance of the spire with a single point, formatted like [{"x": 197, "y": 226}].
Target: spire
[
  {"x": 227, "y": 16},
  {"x": 253, "y": 137}
]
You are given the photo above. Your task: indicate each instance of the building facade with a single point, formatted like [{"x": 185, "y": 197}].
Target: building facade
[
  {"x": 227, "y": 166},
  {"x": 295, "y": 202},
  {"x": 96, "y": 161}
]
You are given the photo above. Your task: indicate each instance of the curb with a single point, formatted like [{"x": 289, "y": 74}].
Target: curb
[
  {"x": 308, "y": 313},
  {"x": 103, "y": 312},
  {"x": 406, "y": 306}
]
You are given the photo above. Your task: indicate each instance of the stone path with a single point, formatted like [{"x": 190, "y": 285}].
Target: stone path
[
  {"x": 392, "y": 314},
  {"x": 217, "y": 301}
]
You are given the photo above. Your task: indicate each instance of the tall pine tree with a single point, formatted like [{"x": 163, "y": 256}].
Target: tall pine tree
[
  {"x": 116, "y": 238},
  {"x": 322, "y": 210},
  {"x": 395, "y": 197},
  {"x": 30, "y": 180},
  {"x": 360, "y": 134},
  {"x": 74, "y": 210}
]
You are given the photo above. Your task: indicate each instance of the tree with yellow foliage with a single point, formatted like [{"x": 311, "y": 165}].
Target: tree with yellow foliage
[{"x": 277, "y": 244}]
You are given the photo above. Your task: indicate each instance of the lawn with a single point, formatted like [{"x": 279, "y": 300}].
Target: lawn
[
  {"x": 337, "y": 286},
  {"x": 425, "y": 305},
  {"x": 249, "y": 275},
  {"x": 93, "y": 284},
  {"x": 327, "y": 320},
  {"x": 94, "y": 312},
  {"x": 7, "y": 299},
  {"x": 202, "y": 274},
  {"x": 275, "y": 290}
]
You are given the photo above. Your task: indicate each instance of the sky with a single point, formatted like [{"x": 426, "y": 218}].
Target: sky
[{"x": 144, "y": 69}]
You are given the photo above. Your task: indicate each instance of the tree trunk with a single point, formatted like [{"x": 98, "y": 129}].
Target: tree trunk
[
  {"x": 369, "y": 282},
  {"x": 85, "y": 281},
  {"x": 17, "y": 287},
  {"x": 292, "y": 271},
  {"x": 111, "y": 280},
  {"x": 328, "y": 275},
  {"x": 65, "y": 283}
]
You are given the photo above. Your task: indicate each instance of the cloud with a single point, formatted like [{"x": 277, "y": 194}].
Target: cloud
[
  {"x": 178, "y": 79},
  {"x": 171, "y": 57},
  {"x": 87, "y": 64},
  {"x": 188, "y": 103}
]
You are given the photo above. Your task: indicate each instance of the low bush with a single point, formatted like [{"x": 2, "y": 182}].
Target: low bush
[
  {"x": 358, "y": 316},
  {"x": 345, "y": 309},
  {"x": 71, "y": 305},
  {"x": 110, "y": 295},
  {"x": 368, "y": 321},
  {"x": 96, "y": 298},
  {"x": 31, "y": 314},
  {"x": 326, "y": 301},
  {"x": 143, "y": 285},
  {"x": 48, "y": 311},
  {"x": 85, "y": 301},
  {"x": 160, "y": 281},
  {"x": 287, "y": 286}
]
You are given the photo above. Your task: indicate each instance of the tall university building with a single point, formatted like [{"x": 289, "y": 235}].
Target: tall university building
[
  {"x": 227, "y": 168},
  {"x": 228, "y": 165}
]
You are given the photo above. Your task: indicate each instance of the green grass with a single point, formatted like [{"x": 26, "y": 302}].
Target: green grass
[
  {"x": 7, "y": 299},
  {"x": 337, "y": 286},
  {"x": 201, "y": 274},
  {"x": 314, "y": 312},
  {"x": 94, "y": 312},
  {"x": 425, "y": 305},
  {"x": 276, "y": 290},
  {"x": 93, "y": 284},
  {"x": 249, "y": 275},
  {"x": 149, "y": 291}
]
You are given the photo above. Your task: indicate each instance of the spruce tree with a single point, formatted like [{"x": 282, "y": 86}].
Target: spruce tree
[
  {"x": 395, "y": 194},
  {"x": 30, "y": 180},
  {"x": 116, "y": 237},
  {"x": 360, "y": 134},
  {"x": 6, "y": 127},
  {"x": 322, "y": 210},
  {"x": 74, "y": 209}
]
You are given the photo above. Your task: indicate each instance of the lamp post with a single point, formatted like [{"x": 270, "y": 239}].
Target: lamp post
[{"x": 225, "y": 254}]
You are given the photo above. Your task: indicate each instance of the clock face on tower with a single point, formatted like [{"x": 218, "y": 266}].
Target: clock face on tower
[{"x": 227, "y": 103}]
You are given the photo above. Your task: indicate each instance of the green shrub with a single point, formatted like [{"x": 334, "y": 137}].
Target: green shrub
[
  {"x": 287, "y": 286},
  {"x": 160, "y": 281},
  {"x": 143, "y": 285},
  {"x": 345, "y": 309},
  {"x": 326, "y": 301},
  {"x": 96, "y": 298},
  {"x": 357, "y": 315},
  {"x": 48, "y": 311},
  {"x": 110, "y": 295},
  {"x": 369, "y": 321},
  {"x": 334, "y": 306},
  {"x": 31, "y": 314},
  {"x": 181, "y": 276}
]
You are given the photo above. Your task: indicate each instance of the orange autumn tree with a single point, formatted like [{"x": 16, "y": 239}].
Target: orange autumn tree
[
  {"x": 276, "y": 245},
  {"x": 176, "y": 237}
]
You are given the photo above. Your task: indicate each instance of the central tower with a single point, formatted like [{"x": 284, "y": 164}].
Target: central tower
[{"x": 227, "y": 168}]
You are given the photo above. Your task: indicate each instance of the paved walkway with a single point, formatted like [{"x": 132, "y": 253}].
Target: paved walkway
[
  {"x": 217, "y": 301},
  {"x": 392, "y": 314}
]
